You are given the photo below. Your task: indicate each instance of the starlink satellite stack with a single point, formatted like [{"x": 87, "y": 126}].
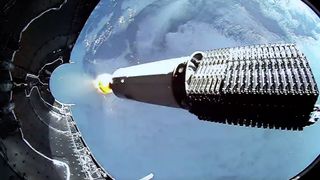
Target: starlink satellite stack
[{"x": 269, "y": 86}]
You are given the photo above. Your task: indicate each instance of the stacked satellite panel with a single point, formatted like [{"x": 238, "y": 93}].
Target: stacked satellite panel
[{"x": 269, "y": 86}]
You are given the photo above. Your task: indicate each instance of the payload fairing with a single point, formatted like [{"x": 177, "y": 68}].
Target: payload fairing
[{"x": 270, "y": 86}]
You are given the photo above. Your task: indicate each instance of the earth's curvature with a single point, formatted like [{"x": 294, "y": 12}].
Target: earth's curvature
[{"x": 132, "y": 139}]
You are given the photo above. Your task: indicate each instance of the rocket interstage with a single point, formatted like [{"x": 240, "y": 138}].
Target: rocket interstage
[{"x": 269, "y": 86}]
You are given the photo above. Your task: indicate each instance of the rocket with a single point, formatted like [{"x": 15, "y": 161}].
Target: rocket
[{"x": 268, "y": 86}]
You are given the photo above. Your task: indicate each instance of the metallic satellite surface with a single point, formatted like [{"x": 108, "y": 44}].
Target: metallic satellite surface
[
  {"x": 123, "y": 34},
  {"x": 39, "y": 137},
  {"x": 269, "y": 86}
]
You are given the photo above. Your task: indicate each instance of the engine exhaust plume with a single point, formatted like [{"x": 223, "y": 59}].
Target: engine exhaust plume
[{"x": 102, "y": 83}]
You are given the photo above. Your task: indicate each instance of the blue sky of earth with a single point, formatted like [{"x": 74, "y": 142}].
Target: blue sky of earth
[{"x": 132, "y": 139}]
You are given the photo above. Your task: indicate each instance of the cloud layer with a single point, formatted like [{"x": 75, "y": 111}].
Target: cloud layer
[{"x": 132, "y": 139}]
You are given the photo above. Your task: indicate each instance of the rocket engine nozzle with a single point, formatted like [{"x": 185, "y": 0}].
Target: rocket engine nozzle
[{"x": 103, "y": 83}]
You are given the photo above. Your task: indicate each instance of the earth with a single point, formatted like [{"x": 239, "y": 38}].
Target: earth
[{"x": 131, "y": 139}]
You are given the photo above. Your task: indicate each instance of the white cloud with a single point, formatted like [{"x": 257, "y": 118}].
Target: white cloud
[{"x": 162, "y": 135}]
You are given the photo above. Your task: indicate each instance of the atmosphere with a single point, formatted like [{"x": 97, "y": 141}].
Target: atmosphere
[{"x": 132, "y": 139}]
